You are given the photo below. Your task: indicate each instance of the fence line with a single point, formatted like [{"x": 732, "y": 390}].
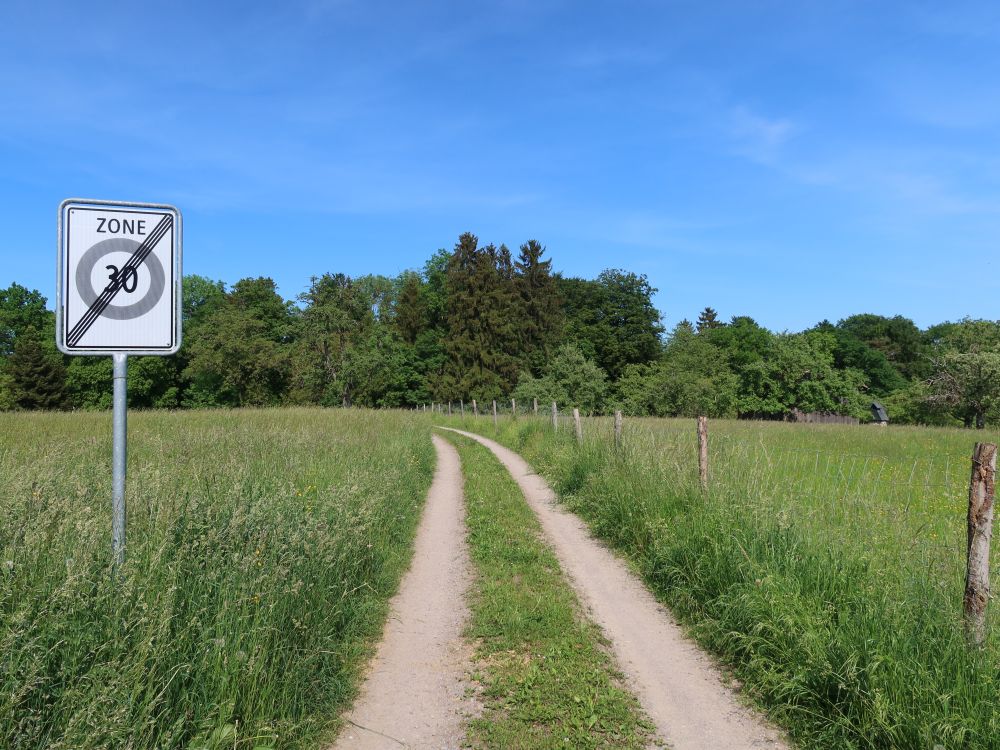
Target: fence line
[{"x": 847, "y": 480}]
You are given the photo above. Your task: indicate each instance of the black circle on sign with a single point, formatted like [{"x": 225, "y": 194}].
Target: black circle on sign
[{"x": 157, "y": 279}]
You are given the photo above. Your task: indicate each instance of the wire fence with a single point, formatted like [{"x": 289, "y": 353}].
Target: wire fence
[{"x": 900, "y": 496}]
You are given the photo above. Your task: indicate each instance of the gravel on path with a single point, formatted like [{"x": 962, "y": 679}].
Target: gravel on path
[
  {"x": 679, "y": 687},
  {"x": 415, "y": 692}
]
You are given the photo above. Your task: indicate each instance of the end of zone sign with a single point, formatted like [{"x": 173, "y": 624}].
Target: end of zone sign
[{"x": 119, "y": 278}]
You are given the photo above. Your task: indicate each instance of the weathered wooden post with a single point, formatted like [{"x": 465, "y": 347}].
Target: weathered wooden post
[
  {"x": 982, "y": 493},
  {"x": 703, "y": 452},
  {"x": 449, "y": 408},
  {"x": 461, "y": 405},
  {"x": 618, "y": 429},
  {"x": 513, "y": 409},
  {"x": 535, "y": 406},
  {"x": 475, "y": 409},
  {"x": 496, "y": 425},
  {"x": 555, "y": 418},
  {"x": 578, "y": 428}
]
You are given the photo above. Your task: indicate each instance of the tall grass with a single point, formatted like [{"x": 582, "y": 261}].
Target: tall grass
[
  {"x": 825, "y": 564},
  {"x": 262, "y": 547}
]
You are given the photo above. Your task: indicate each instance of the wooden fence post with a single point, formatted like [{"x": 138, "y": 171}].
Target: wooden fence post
[
  {"x": 461, "y": 405},
  {"x": 535, "y": 406},
  {"x": 475, "y": 409},
  {"x": 577, "y": 426},
  {"x": 618, "y": 429},
  {"x": 513, "y": 409},
  {"x": 703, "y": 452},
  {"x": 982, "y": 493},
  {"x": 449, "y": 408},
  {"x": 555, "y": 418},
  {"x": 496, "y": 425}
]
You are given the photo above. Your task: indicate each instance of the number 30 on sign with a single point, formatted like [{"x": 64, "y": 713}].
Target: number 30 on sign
[{"x": 119, "y": 278}]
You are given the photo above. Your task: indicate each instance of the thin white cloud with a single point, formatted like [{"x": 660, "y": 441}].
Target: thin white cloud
[{"x": 758, "y": 137}]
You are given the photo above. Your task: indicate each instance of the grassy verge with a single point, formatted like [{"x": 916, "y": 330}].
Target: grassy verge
[
  {"x": 825, "y": 565},
  {"x": 547, "y": 681},
  {"x": 262, "y": 548}
]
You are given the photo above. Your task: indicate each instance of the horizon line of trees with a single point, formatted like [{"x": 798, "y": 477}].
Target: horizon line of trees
[{"x": 479, "y": 322}]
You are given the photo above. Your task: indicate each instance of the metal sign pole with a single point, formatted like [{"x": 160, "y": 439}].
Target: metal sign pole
[{"x": 118, "y": 457}]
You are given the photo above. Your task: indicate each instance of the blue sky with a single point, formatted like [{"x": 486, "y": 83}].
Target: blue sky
[{"x": 791, "y": 161}]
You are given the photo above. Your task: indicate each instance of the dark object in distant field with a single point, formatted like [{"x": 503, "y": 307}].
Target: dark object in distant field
[{"x": 879, "y": 414}]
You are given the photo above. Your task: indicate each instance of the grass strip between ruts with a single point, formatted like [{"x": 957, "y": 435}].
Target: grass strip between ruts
[{"x": 546, "y": 680}]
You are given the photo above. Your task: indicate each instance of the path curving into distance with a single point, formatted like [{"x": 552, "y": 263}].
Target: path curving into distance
[
  {"x": 679, "y": 687},
  {"x": 414, "y": 693}
]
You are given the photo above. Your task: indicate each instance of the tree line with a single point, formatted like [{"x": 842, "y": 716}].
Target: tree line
[{"x": 479, "y": 322}]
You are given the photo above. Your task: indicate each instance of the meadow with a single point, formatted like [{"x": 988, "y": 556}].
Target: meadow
[
  {"x": 262, "y": 548},
  {"x": 825, "y": 565}
]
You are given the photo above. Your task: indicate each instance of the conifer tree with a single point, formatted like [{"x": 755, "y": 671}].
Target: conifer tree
[
  {"x": 37, "y": 375},
  {"x": 466, "y": 336},
  {"x": 543, "y": 316},
  {"x": 483, "y": 322},
  {"x": 708, "y": 319},
  {"x": 505, "y": 320}
]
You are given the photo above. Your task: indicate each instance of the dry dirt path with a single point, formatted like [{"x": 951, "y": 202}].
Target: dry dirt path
[
  {"x": 414, "y": 693},
  {"x": 680, "y": 688}
]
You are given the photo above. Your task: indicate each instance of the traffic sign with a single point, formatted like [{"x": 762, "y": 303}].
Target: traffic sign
[{"x": 119, "y": 278}]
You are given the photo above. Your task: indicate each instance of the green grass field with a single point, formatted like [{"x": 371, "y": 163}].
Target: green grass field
[
  {"x": 825, "y": 564},
  {"x": 262, "y": 547}
]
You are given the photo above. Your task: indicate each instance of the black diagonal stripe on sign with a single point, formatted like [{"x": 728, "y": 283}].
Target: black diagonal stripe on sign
[{"x": 111, "y": 290}]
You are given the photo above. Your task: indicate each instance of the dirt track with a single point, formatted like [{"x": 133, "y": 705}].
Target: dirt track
[
  {"x": 678, "y": 686},
  {"x": 414, "y": 693}
]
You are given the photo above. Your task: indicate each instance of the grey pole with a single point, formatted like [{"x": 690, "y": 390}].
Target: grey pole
[{"x": 118, "y": 457}]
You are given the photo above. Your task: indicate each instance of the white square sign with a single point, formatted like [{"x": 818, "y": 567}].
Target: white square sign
[{"x": 119, "y": 278}]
